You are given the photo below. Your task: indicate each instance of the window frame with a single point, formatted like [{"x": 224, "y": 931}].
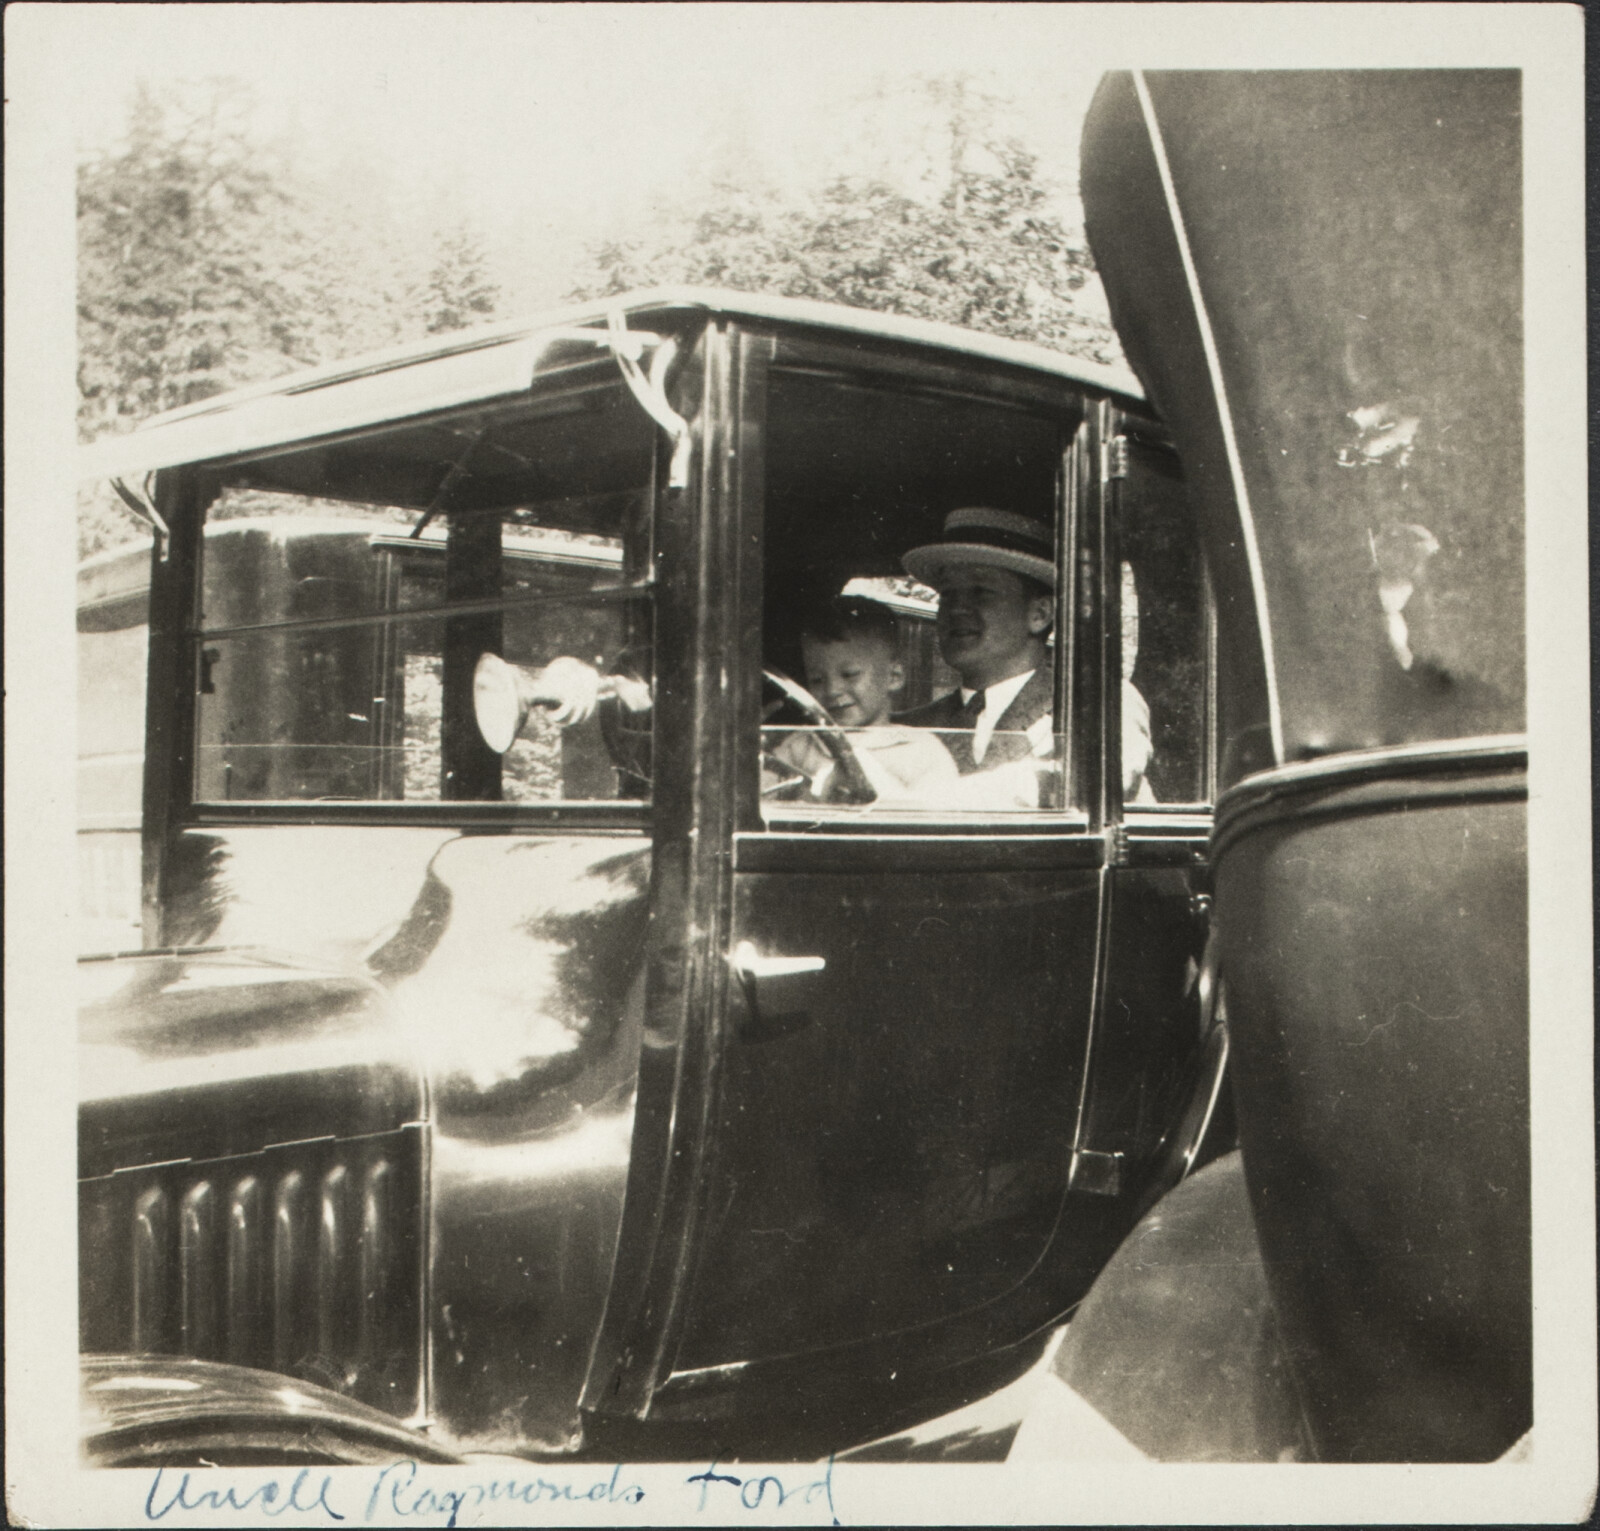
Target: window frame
[
  {"x": 194, "y": 488},
  {"x": 1160, "y": 818},
  {"x": 1079, "y": 512}
]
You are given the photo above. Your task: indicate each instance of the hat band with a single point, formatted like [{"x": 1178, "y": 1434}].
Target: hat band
[{"x": 1000, "y": 538}]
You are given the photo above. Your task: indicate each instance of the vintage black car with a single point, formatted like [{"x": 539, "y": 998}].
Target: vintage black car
[
  {"x": 1319, "y": 276},
  {"x": 587, "y": 1089}
]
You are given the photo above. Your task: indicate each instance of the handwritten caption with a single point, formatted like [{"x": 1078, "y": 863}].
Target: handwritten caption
[{"x": 405, "y": 1492}]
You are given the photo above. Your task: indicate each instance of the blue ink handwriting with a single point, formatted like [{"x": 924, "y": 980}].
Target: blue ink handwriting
[
  {"x": 766, "y": 1490},
  {"x": 396, "y": 1494},
  {"x": 267, "y": 1498}
]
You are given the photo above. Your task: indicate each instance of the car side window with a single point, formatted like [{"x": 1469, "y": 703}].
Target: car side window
[
  {"x": 874, "y": 705},
  {"x": 348, "y": 593},
  {"x": 1166, "y": 627}
]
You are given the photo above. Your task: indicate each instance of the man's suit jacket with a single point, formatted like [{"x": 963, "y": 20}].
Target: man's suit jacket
[{"x": 1030, "y": 704}]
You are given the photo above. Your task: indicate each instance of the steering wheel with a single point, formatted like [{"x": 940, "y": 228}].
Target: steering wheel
[{"x": 782, "y": 700}]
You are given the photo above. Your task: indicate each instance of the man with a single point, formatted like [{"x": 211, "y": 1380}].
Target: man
[{"x": 995, "y": 574}]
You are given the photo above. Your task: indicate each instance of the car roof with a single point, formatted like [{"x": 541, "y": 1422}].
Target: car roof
[{"x": 473, "y": 366}]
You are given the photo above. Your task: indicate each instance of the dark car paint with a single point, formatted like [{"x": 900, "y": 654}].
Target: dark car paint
[
  {"x": 947, "y": 1068},
  {"x": 252, "y": 1171},
  {"x": 516, "y": 956},
  {"x": 563, "y": 982},
  {"x": 161, "y": 1411},
  {"x": 1421, "y": 309},
  {"x": 1192, "y": 1272},
  {"x": 1371, "y": 902},
  {"x": 657, "y": 1357},
  {"x": 1381, "y": 1263},
  {"x": 1383, "y": 1102},
  {"x": 1151, "y": 1022}
]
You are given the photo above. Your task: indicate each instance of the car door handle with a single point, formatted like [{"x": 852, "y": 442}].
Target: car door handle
[
  {"x": 774, "y": 1013},
  {"x": 749, "y": 963}
]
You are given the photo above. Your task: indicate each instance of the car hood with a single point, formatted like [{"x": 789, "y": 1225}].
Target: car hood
[{"x": 202, "y": 1054}]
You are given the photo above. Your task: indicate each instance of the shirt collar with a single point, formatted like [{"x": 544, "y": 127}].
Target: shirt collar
[{"x": 1001, "y": 694}]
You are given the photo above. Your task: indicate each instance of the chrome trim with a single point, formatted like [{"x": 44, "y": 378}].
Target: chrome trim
[
  {"x": 1489, "y": 752},
  {"x": 1488, "y": 748},
  {"x": 1337, "y": 781},
  {"x": 748, "y": 963}
]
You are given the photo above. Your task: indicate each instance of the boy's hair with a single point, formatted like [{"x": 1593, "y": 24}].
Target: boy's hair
[{"x": 850, "y": 616}]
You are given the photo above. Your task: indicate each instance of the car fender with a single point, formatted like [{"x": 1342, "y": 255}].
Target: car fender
[{"x": 1176, "y": 1348}]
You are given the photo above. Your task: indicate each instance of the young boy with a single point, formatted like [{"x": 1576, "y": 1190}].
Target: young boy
[{"x": 849, "y": 648}]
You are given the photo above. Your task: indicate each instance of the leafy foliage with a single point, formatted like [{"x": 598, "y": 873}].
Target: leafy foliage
[
  {"x": 181, "y": 292},
  {"x": 987, "y": 254},
  {"x": 209, "y": 258},
  {"x": 459, "y": 291},
  {"x": 207, "y": 261}
]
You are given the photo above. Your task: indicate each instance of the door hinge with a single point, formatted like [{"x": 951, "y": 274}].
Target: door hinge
[
  {"x": 1113, "y": 459},
  {"x": 1117, "y": 845},
  {"x": 1095, "y": 1173}
]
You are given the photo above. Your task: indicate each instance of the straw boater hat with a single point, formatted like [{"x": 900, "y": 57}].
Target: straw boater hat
[{"x": 998, "y": 539}]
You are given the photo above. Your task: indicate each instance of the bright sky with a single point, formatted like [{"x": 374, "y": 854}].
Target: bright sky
[
  {"x": 496, "y": 83},
  {"x": 571, "y": 119}
]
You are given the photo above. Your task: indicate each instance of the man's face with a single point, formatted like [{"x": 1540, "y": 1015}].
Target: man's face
[{"x": 989, "y": 624}]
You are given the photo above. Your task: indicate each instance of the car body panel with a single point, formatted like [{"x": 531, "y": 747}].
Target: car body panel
[
  {"x": 1383, "y": 1102},
  {"x": 1176, "y": 1346},
  {"x": 937, "y": 1180},
  {"x": 513, "y": 979},
  {"x": 253, "y": 1179},
  {"x": 1278, "y": 378},
  {"x": 165, "y": 1412},
  {"x": 613, "y": 1131},
  {"x": 1353, "y": 429}
]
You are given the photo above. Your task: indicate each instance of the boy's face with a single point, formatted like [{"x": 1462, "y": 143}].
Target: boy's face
[{"x": 853, "y": 678}]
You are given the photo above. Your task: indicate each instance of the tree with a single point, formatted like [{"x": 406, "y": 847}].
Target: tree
[
  {"x": 208, "y": 259},
  {"x": 458, "y": 291},
  {"x": 987, "y": 251},
  {"x": 182, "y": 236}
]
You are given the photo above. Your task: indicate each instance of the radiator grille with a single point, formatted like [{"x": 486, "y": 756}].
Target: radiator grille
[{"x": 306, "y": 1258}]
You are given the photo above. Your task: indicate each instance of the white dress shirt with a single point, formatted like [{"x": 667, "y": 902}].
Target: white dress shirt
[{"x": 996, "y": 699}]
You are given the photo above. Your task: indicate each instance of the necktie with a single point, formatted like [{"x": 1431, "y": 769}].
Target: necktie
[{"x": 971, "y": 711}]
